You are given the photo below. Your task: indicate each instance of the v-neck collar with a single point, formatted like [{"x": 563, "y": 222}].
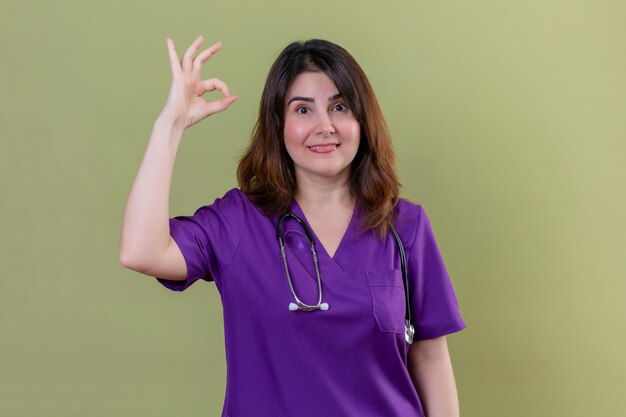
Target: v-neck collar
[{"x": 347, "y": 245}]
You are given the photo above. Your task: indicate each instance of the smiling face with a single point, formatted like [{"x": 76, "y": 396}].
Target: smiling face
[{"x": 321, "y": 133}]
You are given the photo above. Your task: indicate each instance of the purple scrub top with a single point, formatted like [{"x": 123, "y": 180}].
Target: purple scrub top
[{"x": 350, "y": 360}]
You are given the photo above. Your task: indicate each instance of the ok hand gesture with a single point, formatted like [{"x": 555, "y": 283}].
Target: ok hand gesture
[{"x": 185, "y": 105}]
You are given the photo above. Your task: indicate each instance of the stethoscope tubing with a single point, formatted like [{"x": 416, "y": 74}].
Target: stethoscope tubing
[{"x": 299, "y": 305}]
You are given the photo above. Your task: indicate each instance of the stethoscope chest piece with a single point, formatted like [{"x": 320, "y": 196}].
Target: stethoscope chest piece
[{"x": 294, "y": 307}]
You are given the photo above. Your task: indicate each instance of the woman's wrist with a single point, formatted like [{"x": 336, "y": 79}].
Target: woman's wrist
[{"x": 169, "y": 126}]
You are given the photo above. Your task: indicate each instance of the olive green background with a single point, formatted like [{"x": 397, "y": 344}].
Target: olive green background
[{"x": 508, "y": 119}]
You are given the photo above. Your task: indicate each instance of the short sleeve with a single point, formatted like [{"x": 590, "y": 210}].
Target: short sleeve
[
  {"x": 434, "y": 306},
  {"x": 208, "y": 239}
]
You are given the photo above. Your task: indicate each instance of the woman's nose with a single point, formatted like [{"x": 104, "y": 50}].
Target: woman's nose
[{"x": 325, "y": 125}]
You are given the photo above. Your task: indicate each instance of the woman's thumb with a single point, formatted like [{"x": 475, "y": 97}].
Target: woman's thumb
[{"x": 222, "y": 104}]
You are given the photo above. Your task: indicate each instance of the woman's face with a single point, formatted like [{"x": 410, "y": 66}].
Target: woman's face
[{"x": 321, "y": 133}]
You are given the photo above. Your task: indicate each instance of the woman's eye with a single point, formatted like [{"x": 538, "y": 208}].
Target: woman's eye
[
  {"x": 302, "y": 110},
  {"x": 341, "y": 107}
]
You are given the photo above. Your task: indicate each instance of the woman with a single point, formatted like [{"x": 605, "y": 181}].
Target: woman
[{"x": 306, "y": 333}]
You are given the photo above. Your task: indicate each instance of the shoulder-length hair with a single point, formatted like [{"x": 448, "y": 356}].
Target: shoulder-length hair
[{"x": 266, "y": 172}]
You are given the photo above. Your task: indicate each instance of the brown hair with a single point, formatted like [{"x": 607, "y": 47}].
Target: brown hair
[{"x": 266, "y": 172}]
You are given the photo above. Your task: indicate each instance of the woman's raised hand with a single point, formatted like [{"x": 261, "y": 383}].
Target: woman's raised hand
[{"x": 185, "y": 105}]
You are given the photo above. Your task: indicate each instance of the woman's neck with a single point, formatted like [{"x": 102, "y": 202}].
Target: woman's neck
[{"x": 325, "y": 194}]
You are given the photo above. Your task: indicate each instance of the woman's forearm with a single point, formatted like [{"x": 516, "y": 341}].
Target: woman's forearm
[
  {"x": 145, "y": 228},
  {"x": 431, "y": 372}
]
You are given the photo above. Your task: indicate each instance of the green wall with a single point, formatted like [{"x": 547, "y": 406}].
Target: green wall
[{"x": 509, "y": 123}]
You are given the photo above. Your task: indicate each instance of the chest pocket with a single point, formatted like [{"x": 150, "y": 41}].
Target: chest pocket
[{"x": 388, "y": 301}]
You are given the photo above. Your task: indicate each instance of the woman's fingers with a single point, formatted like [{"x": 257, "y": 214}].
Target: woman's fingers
[
  {"x": 185, "y": 101},
  {"x": 221, "y": 104},
  {"x": 204, "y": 56},
  {"x": 174, "y": 62},
  {"x": 187, "y": 58},
  {"x": 186, "y": 63},
  {"x": 215, "y": 84}
]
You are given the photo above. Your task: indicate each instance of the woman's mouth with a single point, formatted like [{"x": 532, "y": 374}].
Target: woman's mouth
[{"x": 323, "y": 148}]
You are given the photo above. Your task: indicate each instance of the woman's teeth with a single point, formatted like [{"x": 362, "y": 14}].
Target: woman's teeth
[{"x": 324, "y": 147}]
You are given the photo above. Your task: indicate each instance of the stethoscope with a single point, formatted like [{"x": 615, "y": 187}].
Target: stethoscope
[{"x": 409, "y": 329}]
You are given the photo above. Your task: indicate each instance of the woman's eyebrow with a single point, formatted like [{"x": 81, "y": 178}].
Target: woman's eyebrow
[
  {"x": 310, "y": 99},
  {"x": 300, "y": 98}
]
